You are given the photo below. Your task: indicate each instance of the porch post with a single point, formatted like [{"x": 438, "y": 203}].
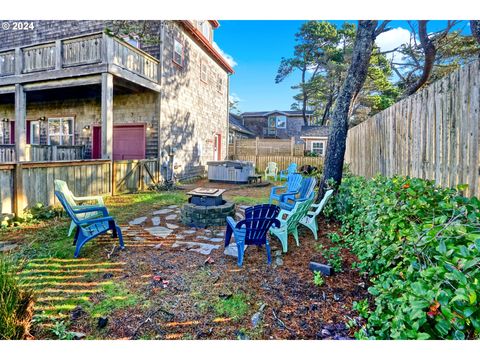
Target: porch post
[
  {"x": 107, "y": 116},
  {"x": 20, "y": 122}
]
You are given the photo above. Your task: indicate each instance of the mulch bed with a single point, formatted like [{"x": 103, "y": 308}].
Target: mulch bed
[{"x": 294, "y": 308}]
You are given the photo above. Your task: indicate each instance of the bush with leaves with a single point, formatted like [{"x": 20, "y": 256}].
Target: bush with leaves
[{"x": 420, "y": 246}]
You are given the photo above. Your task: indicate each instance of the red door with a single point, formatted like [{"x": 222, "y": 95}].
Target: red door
[
  {"x": 97, "y": 142},
  {"x": 128, "y": 142}
]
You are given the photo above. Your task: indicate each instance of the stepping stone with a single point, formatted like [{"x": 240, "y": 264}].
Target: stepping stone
[
  {"x": 4, "y": 246},
  {"x": 138, "y": 221},
  {"x": 138, "y": 238},
  {"x": 189, "y": 231},
  {"x": 171, "y": 217},
  {"x": 160, "y": 231},
  {"x": 231, "y": 250},
  {"x": 202, "y": 237},
  {"x": 171, "y": 226},
  {"x": 162, "y": 211},
  {"x": 217, "y": 239},
  {"x": 172, "y": 206},
  {"x": 179, "y": 236},
  {"x": 220, "y": 234},
  {"x": 155, "y": 221},
  {"x": 201, "y": 248},
  {"x": 124, "y": 228}
]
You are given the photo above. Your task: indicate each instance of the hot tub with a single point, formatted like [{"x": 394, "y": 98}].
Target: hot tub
[{"x": 230, "y": 171}]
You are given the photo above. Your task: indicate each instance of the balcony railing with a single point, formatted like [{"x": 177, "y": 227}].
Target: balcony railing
[
  {"x": 269, "y": 132},
  {"x": 98, "y": 48},
  {"x": 43, "y": 153}
]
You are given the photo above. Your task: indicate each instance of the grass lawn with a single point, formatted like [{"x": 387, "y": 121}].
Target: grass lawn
[{"x": 109, "y": 293}]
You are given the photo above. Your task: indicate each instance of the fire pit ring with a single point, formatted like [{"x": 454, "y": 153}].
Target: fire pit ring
[{"x": 206, "y": 207}]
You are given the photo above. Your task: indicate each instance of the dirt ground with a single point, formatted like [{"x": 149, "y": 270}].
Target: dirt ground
[{"x": 174, "y": 293}]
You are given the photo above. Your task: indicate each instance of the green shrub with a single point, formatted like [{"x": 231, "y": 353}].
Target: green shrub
[
  {"x": 16, "y": 304},
  {"x": 318, "y": 279},
  {"x": 420, "y": 246}
]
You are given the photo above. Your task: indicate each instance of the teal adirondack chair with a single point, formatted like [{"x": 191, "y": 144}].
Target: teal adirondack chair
[
  {"x": 62, "y": 187},
  {"x": 292, "y": 169},
  {"x": 271, "y": 171},
  {"x": 310, "y": 219},
  {"x": 289, "y": 221}
]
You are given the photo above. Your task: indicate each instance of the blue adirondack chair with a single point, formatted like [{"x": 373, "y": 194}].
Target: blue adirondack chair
[
  {"x": 253, "y": 229},
  {"x": 292, "y": 169},
  {"x": 288, "y": 199},
  {"x": 293, "y": 184},
  {"x": 90, "y": 228}
]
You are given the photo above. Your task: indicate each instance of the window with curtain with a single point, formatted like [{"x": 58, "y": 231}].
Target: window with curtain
[{"x": 60, "y": 131}]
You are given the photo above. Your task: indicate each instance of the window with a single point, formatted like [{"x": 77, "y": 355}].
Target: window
[
  {"x": 206, "y": 30},
  {"x": 203, "y": 71},
  {"x": 132, "y": 40},
  {"x": 34, "y": 132},
  {"x": 219, "y": 83},
  {"x": 178, "y": 52},
  {"x": 318, "y": 147},
  {"x": 281, "y": 122},
  {"x": 60, "y": 131}
]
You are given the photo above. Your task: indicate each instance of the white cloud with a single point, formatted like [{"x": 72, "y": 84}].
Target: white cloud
[
  {"x": 392, "y": 39},
  {"x": 226, "y": 56}
]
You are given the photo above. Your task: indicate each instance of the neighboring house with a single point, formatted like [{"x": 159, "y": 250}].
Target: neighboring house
[
  {"x": 237, "y": 130},
  {"x": 70, "y": 83},
  {"x": 277, "y": 124},
  {"x": 315, "y": 138}
]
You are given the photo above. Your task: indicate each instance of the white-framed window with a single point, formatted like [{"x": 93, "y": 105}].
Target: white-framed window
[
  {"x": 318, "y": 147},
  {"x": 281, "y": 122},
  {"x": 206, "y": 29},
  {"x": 178, "y": 52},
  {"x": 60, "y": 131},
  {"x": 204, "y": 71},
  {"x": 34, "y": 132},
  {"x": 132, "y": 40},
  {"x": 219, "y": 83}
]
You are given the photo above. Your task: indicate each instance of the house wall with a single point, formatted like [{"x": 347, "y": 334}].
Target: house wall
[
  {"x": 192, "y": 111},
  {"x": 294, "y": 127},
  {"x": 127, "y": 109}
]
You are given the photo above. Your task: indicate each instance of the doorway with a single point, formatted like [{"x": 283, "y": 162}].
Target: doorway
[{"x": 217, "y": 147}]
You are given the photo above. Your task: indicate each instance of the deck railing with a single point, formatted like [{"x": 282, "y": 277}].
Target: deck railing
[
  {"x": 43, "y": 153},
  {"x": 97, "y": 48}
]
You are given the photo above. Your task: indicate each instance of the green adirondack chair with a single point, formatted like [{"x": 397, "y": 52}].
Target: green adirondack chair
[
  {"x": 271, "y": 171},
  {"x": 289, "y": 221},
  {"x": 62, "y": 187},
  {"x": 310, "y": 219}
]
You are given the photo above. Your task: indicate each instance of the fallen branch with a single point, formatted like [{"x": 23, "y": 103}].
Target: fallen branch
[
  {"x": 282, "y": 324},
  {"x": 149, "y": 319},
  {"x": 111, "y": 252}
]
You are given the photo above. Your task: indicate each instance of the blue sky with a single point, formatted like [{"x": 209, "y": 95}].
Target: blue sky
[{"x": 256, "y": 47}]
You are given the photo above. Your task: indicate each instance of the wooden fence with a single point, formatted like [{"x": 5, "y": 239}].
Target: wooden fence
[
  {"x": 266, "y": 147},
  {"x": 433, "y": 134},
  {"x": 282, "y": 161},
  {"x": 25, "y": 184}
]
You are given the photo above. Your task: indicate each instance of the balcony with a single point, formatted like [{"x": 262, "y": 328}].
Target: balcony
[
  {"x": 269, "y": 132},
  {"x": 78, "y": 56}
]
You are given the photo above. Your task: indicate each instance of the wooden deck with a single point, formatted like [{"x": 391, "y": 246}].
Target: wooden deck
[{"x": 77, "y": 57}]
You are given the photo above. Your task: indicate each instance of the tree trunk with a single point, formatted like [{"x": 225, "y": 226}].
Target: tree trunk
[
  {"x": 304, "y": 96},
  {"x": 326, "y": 113},
  {"x": 475, "y": 27},
  {"x": 430, "y": 53},
  {"x": 356, "y": 76}
]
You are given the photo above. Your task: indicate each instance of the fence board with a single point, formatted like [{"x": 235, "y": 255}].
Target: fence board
[
  {"x": 433, "y": 134},
  {"x": 282, "y": 161}
]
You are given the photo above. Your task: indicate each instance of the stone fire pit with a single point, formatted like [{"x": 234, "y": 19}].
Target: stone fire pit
[{"x": 206, "y": 207}]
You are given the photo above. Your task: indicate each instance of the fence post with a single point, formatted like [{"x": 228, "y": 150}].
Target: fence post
[
  {"x": 112, "y": 178},
  {"x": 256, "y": 146},
  {"x": 19, "y": 202},
  {"x": 292, "y": 146}
]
